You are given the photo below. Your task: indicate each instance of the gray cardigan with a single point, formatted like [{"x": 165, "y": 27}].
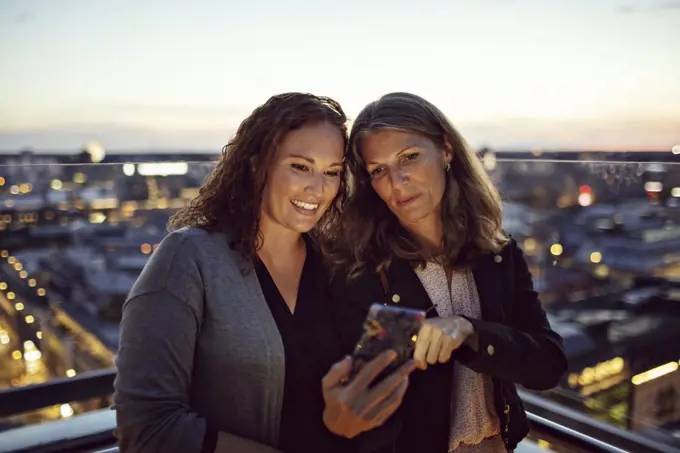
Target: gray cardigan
[{"x": 198, "y": 345}]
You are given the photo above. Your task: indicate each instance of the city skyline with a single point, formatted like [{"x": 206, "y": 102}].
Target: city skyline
[{"x": 509, "y": 73}]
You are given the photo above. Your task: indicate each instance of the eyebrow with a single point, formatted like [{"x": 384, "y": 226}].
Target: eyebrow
[
  {"x": 311, "y": 161},
  {"x": 406, "y": 148}
]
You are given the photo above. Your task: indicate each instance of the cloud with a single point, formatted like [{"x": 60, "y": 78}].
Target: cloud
[
  {"x": 114, "y": 137},
  {"x": 668, "y": 5},
  {"x": 600, "y": 134},
  {"x": 15, "y": 19},
  {"x": 674, "y": 4},
  {"x": 511, "y": 133},
  {"x": 206, "y": 128},
  {"x": 626, "y": 9}
]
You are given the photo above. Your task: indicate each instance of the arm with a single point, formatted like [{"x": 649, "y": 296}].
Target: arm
[
  {"x": 527, "y": 351},
  {"x": 160, "y": 324}
]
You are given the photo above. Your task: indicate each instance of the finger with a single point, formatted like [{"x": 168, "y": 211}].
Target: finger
[
  {"x": 446, "y": 349},
  {"x": 390, "y": 401},
  {"x": 407, "y": 368},
  {"x": 422, "y": 344},
  {"x": 369, "y": 372},
  {"x": 338, "y": 372},
  {"x": 381, "y": 412},
  {"x": 435, "y": 346},
  {"x": 385, "y": 388}
]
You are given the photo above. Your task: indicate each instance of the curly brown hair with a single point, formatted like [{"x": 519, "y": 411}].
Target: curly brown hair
[
  {"x": 369, "y": 236},
  {"x": 230, "y": 197}
]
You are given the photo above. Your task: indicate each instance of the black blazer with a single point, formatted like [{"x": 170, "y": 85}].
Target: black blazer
[{"x": 516, "y": 346}]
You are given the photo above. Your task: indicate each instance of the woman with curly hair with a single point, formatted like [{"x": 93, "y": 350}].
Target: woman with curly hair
[
  {"x": 422, "y": 229},
  {"x": 226, "y": 342}
]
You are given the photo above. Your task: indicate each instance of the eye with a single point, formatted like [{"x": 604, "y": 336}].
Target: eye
[
  {"x": 412, "y": 156},
  {"x": 333, "y": 173},
  {"x": 376, "y": 172},
  {"x": 300, "y": 167}
]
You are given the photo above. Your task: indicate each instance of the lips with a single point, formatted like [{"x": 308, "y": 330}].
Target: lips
[
  {"x": 305, "y": 208},
  {"x": 305, "y": 205},
  {"x": 406, "y": 200}
]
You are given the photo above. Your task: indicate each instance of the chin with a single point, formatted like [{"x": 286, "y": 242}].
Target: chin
[
  {"x": 303, "y": 230},
  {"x": 303, "y": 227},
  {"x": 412, "y": 216}
]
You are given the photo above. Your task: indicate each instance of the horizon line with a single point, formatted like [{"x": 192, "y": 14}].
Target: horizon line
[{"x": 116, "y": 151}]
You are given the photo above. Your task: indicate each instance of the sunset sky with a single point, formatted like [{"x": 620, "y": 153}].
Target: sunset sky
[{"x": 164, "y": 74}]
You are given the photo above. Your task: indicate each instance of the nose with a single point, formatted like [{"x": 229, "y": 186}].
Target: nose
[
  {"x": 398, "y": 177},
  {"x": 315, "y": 186}
]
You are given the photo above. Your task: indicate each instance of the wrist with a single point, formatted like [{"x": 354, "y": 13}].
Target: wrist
[
  {"x": 471, "y": 337},
  {"x": 467, "y": 328}
]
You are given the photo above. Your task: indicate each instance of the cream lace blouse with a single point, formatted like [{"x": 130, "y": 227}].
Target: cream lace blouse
[{"x": 475, "y": 425}]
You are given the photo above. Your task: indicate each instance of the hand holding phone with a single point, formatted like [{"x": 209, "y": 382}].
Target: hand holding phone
[
  {"x": 387, "y": 328},
  {"x": 351, "y": 407}
]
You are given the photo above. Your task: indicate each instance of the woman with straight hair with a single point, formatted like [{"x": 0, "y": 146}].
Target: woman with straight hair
[
  {"x": 422, "y": 229},
  {"x": 227, "y": 343}
]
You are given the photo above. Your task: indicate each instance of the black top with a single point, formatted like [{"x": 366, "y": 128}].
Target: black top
[{"x": 311, "y": 345}]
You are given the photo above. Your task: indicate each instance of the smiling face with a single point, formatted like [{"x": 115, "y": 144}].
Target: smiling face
[
  {"x": 407, "y": 173},
  {"x": 304, "y": 177}
]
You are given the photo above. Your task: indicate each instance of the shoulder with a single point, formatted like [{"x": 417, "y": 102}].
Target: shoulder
[
  {"x": 195, "y": 238},
  {"x": 514, "y": 251},
  {"x": 511, "y": 247},
  {"x": 504, "y": 263},
  {"x": 515, "y": 265},
  {"x": 200, "y": 245},
  {"x": 175, "y": 242},
  {"x": 508, "y": 251},
  {"x": 182, "y": 259}
]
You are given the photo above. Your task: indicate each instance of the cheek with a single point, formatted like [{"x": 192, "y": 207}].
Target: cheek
[
  {"x": 382, "y": 188},
  {"x": 283, "y": 183},
  {"x": 277, "y": 189},
  {"x": 331, "y": 189},
  {"x": 438, "y": 184},
  {"x": 267, "y": 199}
]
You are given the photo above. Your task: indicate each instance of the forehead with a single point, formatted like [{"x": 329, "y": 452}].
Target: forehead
[
  {"x": 317, "y": 141},
  {"x": 382, "y": 144}
]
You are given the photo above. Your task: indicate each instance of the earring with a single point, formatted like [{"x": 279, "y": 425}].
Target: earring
[{"x": 447, "y": 167}]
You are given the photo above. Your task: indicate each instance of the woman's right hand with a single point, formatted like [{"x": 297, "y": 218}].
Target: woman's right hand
[{"x": 352, "y": 408}]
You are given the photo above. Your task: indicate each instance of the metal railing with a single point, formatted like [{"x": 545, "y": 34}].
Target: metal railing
[
  {"x": 90, "y": 384},
  {"x": 559, "y": 426},
  {"x": 84, "y": 433}
]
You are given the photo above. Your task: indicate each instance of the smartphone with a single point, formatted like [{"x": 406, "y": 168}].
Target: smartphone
[{"x": 387, "y": 327}]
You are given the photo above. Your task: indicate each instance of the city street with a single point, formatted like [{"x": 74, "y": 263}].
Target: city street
[{"x": 11, "y": 368}]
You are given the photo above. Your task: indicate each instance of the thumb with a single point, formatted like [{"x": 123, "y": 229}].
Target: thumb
[{"x": 338, "y": 372}]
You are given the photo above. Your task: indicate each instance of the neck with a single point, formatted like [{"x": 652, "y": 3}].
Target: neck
[
  {"x": 429, "y": 232},
  {"x": 278, "y": 243}
]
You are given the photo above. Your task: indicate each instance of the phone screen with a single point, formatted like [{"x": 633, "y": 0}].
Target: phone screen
[{"x": 388, "y": 327}]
